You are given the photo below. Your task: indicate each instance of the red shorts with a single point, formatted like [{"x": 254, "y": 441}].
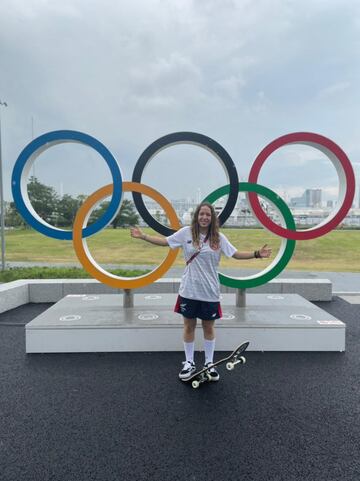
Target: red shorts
[{"x": 192, "y": 309}]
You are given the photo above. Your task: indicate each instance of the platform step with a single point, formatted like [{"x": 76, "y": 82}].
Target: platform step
[{"x": 99, "y": 323}]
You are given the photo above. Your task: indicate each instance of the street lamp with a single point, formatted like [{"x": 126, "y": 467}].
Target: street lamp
[{"x": 2, "y": 207}]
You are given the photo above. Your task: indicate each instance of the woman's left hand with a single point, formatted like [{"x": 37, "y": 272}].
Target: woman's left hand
[{"x": 265, "y": 251}]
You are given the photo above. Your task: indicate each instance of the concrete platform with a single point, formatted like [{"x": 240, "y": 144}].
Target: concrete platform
[
  {"x": 351, "y": 299},
  {"x": 99, "y": 323},
  {"x": 16, "y": 293}
]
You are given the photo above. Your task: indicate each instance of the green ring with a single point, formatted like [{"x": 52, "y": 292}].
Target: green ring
[{"x": 287, "y": 245}]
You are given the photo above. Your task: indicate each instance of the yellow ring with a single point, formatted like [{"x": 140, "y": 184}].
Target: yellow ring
[{"x": 84, "y": 256}]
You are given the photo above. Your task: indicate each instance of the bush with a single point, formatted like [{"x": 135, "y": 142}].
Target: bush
[{"x": 16, "y": 273}]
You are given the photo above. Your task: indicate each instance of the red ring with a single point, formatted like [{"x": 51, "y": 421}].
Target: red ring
[{"x": 321, "y": 143}]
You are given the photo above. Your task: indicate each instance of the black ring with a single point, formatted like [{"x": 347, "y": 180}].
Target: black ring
[{"x": 185, "y": 138}]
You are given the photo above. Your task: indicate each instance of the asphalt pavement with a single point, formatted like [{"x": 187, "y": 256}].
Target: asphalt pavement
[{"x": 126, "y": 416}]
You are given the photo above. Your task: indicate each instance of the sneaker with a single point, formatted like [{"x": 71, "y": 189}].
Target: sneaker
[
  {"x": 215, "y": 376},
  {"x": 187, "y": 370}
]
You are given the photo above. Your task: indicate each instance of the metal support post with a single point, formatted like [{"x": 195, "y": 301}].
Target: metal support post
[
  {"x": 240, "y": 297},
  {"x": 2, "y": 203},
  {"x": 128, "y": 298}
]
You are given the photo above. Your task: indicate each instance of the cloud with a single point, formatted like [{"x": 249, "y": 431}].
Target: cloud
[
  {"x": 130, "y": 72},
  {"x": 230, "y": 87},
  {"x": 334, "y": 90}
]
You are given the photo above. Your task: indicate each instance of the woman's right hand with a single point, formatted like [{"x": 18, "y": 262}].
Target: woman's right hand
[{"x": 136, "y": 232}]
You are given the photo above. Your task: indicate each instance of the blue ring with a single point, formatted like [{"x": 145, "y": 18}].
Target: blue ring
[{"x": 46, "y": 141}]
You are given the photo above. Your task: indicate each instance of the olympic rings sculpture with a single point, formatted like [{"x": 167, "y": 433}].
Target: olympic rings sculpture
[{"x": 287, "y": 231}]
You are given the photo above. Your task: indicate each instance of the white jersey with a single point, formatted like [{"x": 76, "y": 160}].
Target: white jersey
[{"x": 200, "y": 280}]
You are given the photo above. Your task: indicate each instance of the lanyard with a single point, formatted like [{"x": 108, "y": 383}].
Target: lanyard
[{"x": 197, "y": 252}]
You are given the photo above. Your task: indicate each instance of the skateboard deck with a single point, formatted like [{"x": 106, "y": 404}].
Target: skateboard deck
[{"x": 234, "y": 358}]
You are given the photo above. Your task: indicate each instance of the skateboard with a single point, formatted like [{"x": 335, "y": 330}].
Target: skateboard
[{"x": 235, "y": 358}]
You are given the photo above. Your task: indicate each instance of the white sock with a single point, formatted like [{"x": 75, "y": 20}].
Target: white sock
[
  {"x": 209, "y": 348},
  {"x": 189, "y": 348}
]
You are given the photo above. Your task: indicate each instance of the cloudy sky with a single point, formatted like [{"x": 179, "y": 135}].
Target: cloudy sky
[{"x": 129, "y": 72}]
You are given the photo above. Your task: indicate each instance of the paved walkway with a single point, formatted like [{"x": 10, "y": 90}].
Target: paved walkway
[
  {"x": 284, "y": 416},
  {"x": 342, "y": 281}
]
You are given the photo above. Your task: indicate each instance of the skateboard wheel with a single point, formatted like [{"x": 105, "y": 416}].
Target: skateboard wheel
[
  {"x": 229, "y": 366},
  {"x": 243, "y": 359},
  {"x": 195, "y": 384},
  {"x": 208, "y": 375}
]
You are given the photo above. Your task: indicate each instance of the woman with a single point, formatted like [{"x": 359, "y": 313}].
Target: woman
[{"x": 199, "y": 293}]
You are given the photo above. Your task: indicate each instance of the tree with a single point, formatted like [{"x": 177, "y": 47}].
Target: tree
[
  {"x": 12, "y": 217},
  {"x": 126, "y": 216},
  {"x": 44, "y": 200},
  {"x": 61, "y": 212},
  {"x": 67, "y": 209}
]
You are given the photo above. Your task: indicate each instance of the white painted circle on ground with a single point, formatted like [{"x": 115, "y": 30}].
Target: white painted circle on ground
[
  {"x": 147, "y": 317},
  {"x": 153, "y": 297},
  {"x": 273, "y": 296},
  {"x": 300, "y": 317},
  {"x": 70, "y": 317},
  {"x": 227, "y": 316},
  {"x": 90, "y": 298}
]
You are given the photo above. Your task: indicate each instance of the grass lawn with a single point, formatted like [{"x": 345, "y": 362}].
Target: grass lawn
[{"x": 337, "y": 251}]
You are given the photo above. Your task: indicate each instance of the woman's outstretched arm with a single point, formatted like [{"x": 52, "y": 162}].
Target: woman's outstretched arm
[
  {"x": 265, "y": 251},
  {"x": 137, "y": 233}
]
